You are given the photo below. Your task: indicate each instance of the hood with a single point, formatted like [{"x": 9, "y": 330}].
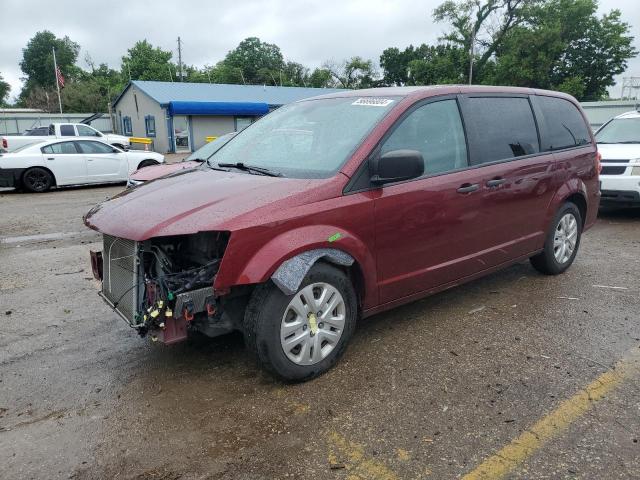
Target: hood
[
  {"x": 196, "y": 200},
  {"x": 619, "y": 151},
  {"x": 157, "y": 171}
]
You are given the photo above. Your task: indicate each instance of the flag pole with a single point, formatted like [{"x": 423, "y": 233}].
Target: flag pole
[{"x": 55, "y": 74}]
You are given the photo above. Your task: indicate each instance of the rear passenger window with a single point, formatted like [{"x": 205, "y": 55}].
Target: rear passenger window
[
  {"x": 500, "y": 128},
  {"x": 435, "y": 130},
  {"x": 565, "y": 126},
  {"x": 67, "y": 131},
  {"x": 60, "y": 148}
]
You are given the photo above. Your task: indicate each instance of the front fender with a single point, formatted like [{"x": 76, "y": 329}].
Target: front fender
[{"x": 235, "y": 270}]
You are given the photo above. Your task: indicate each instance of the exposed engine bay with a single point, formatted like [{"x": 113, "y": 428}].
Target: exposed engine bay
[{"x": 164, "y": 286}]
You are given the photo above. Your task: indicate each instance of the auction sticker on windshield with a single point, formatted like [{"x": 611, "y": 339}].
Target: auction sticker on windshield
[{"x": 373, "y": 102}]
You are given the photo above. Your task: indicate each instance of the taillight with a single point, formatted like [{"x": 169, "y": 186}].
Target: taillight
[
  {"x": 599, "y": 162},
  {"x": 4, "y": 143}
]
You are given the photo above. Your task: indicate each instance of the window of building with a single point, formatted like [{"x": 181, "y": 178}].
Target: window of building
[
  {"x": 565, "y": 126},
  {"x": 501, "y": 128},
  {"x": 67, "y": 131},
  {"x": 127, "y": 128},
  {"x": 150, "y": 125},
  {"x": 435, "y": 130}
]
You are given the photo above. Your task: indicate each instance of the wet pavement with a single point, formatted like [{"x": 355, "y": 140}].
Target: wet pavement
[{"x": 511, "y": 375}]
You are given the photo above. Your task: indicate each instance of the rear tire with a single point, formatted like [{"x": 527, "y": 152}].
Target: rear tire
[
  {"x": 37, "y": 180},
  {"x": 562, "y": 242},
  {"x": 272, "y": 325},
  {"x": 147, "y": 163}
]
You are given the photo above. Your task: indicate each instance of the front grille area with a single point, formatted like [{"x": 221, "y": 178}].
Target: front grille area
[
  {"x": 120, "y": 275},
  {"x": 606, "y": 170}
]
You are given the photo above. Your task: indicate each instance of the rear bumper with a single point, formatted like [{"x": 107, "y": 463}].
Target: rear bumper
[{"x": 10, "y": 177}]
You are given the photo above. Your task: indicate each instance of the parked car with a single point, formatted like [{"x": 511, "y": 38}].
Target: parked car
[
  {"x": 335, "y": 208},
  {"x": 10, "y": 143},
  {"x": 619, "y": 143},
  {"x": 194, "y": 160},
  {"x": 38, "y": 166}
]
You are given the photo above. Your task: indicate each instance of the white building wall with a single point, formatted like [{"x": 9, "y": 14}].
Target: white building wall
[
  {"x": 136, "y": 105},
  {"x": 206, "y": 126}
]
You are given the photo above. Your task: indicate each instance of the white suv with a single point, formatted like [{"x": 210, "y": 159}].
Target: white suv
[{"x": 619, "y": 144}]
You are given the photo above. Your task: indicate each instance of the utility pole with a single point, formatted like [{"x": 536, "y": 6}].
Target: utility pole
[
  {"x": 180, "y": 59},
  {"x": 471, "y": 52}
]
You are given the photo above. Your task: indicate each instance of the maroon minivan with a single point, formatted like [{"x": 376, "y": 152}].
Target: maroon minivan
[{"x": 335, "y": 208}]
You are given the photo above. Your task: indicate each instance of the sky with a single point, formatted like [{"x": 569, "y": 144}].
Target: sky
[{"x": 309, "y": 32}]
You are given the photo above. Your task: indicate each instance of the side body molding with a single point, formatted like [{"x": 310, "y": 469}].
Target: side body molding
[{"x": 290, "y": 274}]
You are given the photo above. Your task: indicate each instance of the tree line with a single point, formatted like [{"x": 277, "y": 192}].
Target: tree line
[{"x": 553, "y": 44}]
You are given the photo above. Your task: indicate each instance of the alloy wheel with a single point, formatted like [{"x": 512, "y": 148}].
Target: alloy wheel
[{"x": 565, "y": 238}]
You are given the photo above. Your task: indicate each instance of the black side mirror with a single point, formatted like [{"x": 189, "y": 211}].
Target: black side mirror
[{"x": 396, "y": 166}]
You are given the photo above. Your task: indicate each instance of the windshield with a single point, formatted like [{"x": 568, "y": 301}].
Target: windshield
[
  {"x": 620, "y": 130},
  {"x": 208, "y": 149},
  {"x": 308, "y": 139}
]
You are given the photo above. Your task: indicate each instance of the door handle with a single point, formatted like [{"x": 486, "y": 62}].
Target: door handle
[
  {"x": 89, "y": 159},
  {"x": 51, "y": 158},
  {"x": 468, "y": 187},
  {"x": 496, "y": 182}
]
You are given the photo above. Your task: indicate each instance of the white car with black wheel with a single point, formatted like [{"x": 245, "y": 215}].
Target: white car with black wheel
[
  {"x": 38, "y": 166},
  {"x": 619, "y": 144}
]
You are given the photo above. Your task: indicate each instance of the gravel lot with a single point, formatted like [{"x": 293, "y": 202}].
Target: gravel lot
[{"x": 429, "y": 390}]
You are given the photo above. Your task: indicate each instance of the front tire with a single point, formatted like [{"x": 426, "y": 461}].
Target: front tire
[
  {"x": 298, "y": 337},
  {"x": 562, "y": 242},
  {"x": 37, "y": 180},
  {"x": 147, "y": 163}
]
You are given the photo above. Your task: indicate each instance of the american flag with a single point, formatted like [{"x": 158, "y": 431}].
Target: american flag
[{"x": 59, "y": 77}]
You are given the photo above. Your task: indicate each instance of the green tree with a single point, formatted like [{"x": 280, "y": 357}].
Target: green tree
[
  {"x": 92, "y": 90},
  {"x": 320, "y": 78},
  {"x": 37, "y": 59},
  {"x": 424, "y": 65},
  {"x": 354, "y": 72},
  {"x": 486, "y": 22},
  {"x": 146, "y": 62},
  {"x": 5, "y": 88},
  {"x": 252, "y": 62},
  {"x": 437, "y": 65},
  {"x": 565, "y": 46}
]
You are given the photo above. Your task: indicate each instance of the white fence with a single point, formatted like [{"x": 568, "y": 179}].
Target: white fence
[{"x": 15, "y": 123}]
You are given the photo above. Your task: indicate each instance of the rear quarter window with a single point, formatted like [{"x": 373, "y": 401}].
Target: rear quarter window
[
  {"x": 564, "y": 126},
  {"x": 500, "y": 128}
]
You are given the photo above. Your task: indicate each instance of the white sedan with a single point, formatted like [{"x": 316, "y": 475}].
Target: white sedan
[{"x": 39, "y": 166}]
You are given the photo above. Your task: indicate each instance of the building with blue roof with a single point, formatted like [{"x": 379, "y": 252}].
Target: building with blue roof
[{"x": 180, "y": 116}]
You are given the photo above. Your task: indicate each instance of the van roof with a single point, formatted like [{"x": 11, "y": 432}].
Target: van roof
[{"x": 432, "y": 90}]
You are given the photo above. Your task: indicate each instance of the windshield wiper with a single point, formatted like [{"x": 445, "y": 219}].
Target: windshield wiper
[
  {"x": 630, "y": 141},
  {"x": 249, "y": 168}
]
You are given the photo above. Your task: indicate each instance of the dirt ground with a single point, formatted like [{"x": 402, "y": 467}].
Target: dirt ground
[{"x": 536, "y": 373}]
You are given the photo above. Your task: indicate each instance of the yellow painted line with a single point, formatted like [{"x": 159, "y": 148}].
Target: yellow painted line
[
  {"x": 357, "y": 464},
  {"x": 511, "y": 456}
]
